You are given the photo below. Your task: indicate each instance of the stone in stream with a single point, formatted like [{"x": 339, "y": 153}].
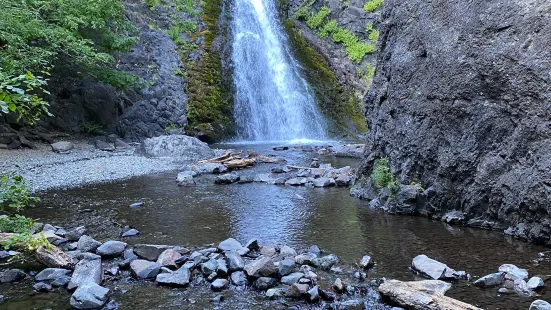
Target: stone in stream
[
  {"x": 179, "y": 277},
  {"x": 323, "y": 182},
  {"x": 313, "y": 294},
  {"x": 275, "y": 292},
  {"x": 325, "y": 262},
  {"x": 490, "y": 280},
  {"x": 209, "y": 168},
  {"x": 12, "y": 275},
  {"x": 238, "y": 278},
  {"x": 42, "y": 287},
  {"x": 264, "y": 283},
  {"x": 185, "y": 178},
  {"x": 252, "y": 269},
  {"x": 87, "y": 244},
  {"x": 328, "y": 295},
  {"x": 168, "y": 258},
  {"x": 287, "y": 251},
  {"x": 144, "y": 269},
  {"x": 62, "y": 147},
  {"x": 51, "y": 274},
  {"x": 292, "y": 278},
  {"x": 89, "y": 296},
  {"x": 293, "y": 182},
  {"x": 305, "y": 259},
  {"x": 150, "y": 251},
  {"x": 53, "y": 257},
  {"x": 227, "y": 178},
  {"x": 111, "y": 248},
  {"x": 513, "y": 272},
  {"x": 521, "y": 287},
  {"x": 433, "y": 269},
  {"x": 540, "y": 305},
  {"x": 535, "y": 283},
  {"x": 426, "y": 294},
  {"x": 136, "y": 204},
  {"x": 219, "y": 284},
  {"x": 286, "y": 266},
  {"x": 338, "y": 285},
  {"x": 131, "y": 232},
  {"x": 234, "y": 261},
  {"x": 343, "y": 180},
  {"x": 297, "y": 290},
  {"x": 268, "y": 251},
  {"x": 178, "y": 146},
  {"x": 231, "y": 244},
  {"x": 87, "y": 270},
  {"x": 366, "y": 262},
  {"x": 209, "y": 266},
  {"x": 75, "y": 233},
  {"x": 221, "y": 268},
  {"x": 48, "y": 227}
]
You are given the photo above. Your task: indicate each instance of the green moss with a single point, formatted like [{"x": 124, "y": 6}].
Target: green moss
[
  {"x": 336, "y": 103},
  {"x": 317, "y": 19},
  {"x": 372, "y": 5}
]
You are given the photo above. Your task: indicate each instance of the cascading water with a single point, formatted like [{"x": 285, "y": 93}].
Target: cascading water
[{"x": 272, "y": 101}]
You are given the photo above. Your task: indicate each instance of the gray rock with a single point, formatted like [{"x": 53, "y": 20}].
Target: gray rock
[
  {"x": 325, "y": 262},
  {"x": 514, "y": 272},
  {"x": 264, "y": 283},
  {"x": 286, "y": 266},
  {"x": 87, "y": 270},
  {"x": 12, "y": 275},
  {"x": 89, "y": 296},
  {"x": 234, "y": 261},
  {"x": 313, "y": 294},
  {"x": 286, "y": 251},
  {"x": 87, "y": 244},
  {"x": 521, "y": 287},
  {"x": 179, "y": 277},
  {"x": 490, "y": 280},
  {"x": 293, "y": 182},
  {"x": 131, "y": 232},
  {"x": 292, "y": 278},
  {"x": 504, "y": 291},
  {"x": 51, "y": 274},
  {"x": 540, "y": 305},
  {"x": 150, "y": 251},
  {"x": 434, "y": 269},
  {"x": 275, "y": 292},
  {"x": 352, "y": 304},
  {"x": 168, "y": 258},
  {"x": 209, "y": 168},
  {"x": 144, "y": 269},
  {"x": 343, "y": 180},
  {"x": 119, "y": 144},
  {"x": 238, "y": 278},
  {"x": 219, "y": 285},
  {"x": 324, "y": 182},
  {"x": 232, "y": 245},
  {"x": 104, "y": 146},
  {"x": 366, "y": 262},
  {"x": 111, "y": 248},
  {"x": 185, "y": 178},
  {"x": 178, "y": 146},
  {"x": 305, "y": 259},
  {"x": 314, "y": 249},
  {"x": 227, "y": 178},
  {"x": 253, "y": 268},
  {"x": 48, "y": 227},
  {"x": 62, "y": 146},
  {"x": 338, "y": 285},
  {"x": 63, "y": 281},
  {"x": 75, "y": 233},
  {"x": 221, "y": 268},
  {"x": 42, "y": 287},
  {"x": 297, "y": 290},
  {"x": 535, "y": 283},
  {"x": 209, "y": 266}
]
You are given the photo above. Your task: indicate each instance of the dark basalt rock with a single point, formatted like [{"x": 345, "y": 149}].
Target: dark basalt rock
[{"x": 463, "y": 108}]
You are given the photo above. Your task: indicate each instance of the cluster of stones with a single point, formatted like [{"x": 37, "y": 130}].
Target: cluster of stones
[
  {"x": 110, "y": 143},
  {"x": 344, "y": 150},
  {"x": 511, "y": 279}
]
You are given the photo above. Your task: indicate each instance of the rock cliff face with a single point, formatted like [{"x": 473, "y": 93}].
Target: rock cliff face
[{"x": 461, "y": 107}]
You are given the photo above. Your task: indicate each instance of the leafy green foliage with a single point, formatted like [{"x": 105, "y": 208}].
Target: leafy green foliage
[
  {"x": 27, "y": 242},
  {"x": 383, "y": 177},
  {"x": 330, "y": 27},
  {"x": 373, "y": 34},
  {"x": 20, "y": 95},
  {"x": 317, "y": 19},
  {"x": 93, "y": 128},
  {"x": 372, "y": 5},
  {"x": 16, "y": 224},
  {"x": 355, "y": 49},
  {"x": 152, "y": 3},
  {"x": 187, "y": 6},
  {"x": 14, "y": 193}
]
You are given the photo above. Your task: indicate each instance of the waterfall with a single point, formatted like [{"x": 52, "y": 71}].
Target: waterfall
[{"x": 272, "y": 101}]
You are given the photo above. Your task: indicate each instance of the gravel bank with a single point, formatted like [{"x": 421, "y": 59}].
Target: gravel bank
[{"x": 44, "y": 169}]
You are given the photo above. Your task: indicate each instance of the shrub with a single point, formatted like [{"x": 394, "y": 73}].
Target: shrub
[
  {"x": 14, "y": 193},
  {"x": 27, "y": 242},
  {"x": 93, "y": 128},
  {"x": 317, "y": 19},
  {"x": 16, "y": 224},
  {"x": 383, "y": 177},
  {"x": 372, "y": 5}
]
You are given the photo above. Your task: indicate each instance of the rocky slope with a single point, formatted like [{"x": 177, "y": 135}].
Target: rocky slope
[{"x": 460, "y": 108}]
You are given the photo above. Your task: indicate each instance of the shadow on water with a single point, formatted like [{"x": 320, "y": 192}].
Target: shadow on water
[{"x": 296, "y": 216}]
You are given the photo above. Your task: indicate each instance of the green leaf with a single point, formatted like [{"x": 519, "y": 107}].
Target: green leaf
[{"x": 12, "y": 107}]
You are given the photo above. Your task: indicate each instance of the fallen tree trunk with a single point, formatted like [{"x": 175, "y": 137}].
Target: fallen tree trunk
[
  {"x": 239, "y": 163},
  {"x": 422, "y": 295}
]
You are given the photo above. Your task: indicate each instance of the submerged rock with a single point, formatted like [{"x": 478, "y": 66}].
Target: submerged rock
[
  {"x": 325, "y": 262},
  {"x": 12, "y": 275},
  {"x": 51, "y": 274},
  {"x": 434, "y": 269},
  {"x": 179, "y": 277},
  {"x": 514, "y": 272},
  {"x": 227, "y": 178},
  {"x": 89, "y": 296},
  {"x": 490, "y": 280}
]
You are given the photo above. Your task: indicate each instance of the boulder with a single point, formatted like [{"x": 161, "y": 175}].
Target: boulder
[
  {"x": 305, "y": 259},
  {"x": 238, "y": 278},
  {"x": 275, "y": 292},
  {"x": 62, "y": 146},
  {"x": 313, "y": 294},
  {"x": 131, "y": 232},
  {"x": 89, "y": 296},
  {"x": 434, "y": 269},
  {"x": 221, "y": 268},
  {"x": 51, "y": 274},
  {"x": 12, "y": 275},
  {"x": 293, "y": 182},
  {"x": 343, "y": 180},
  {"x": 521, "y": 287},
  {"x": 87, "y": 244},
  {"x": 325, "y": 262},
  {"x": 209, "y": 266},
  {"x": 234, "y": 261},
  {"x": 323, "y": 182},
  {"x": 178, "y": 146},
  {"x": 540, "y": 305},
  {"x": 297, "y": 290},
  {"x": 227, "y": 178},
  {"x": 231, "y": 244},
  {"x": 292, "y": 278},
  {"x": 252, "y": 269},
  {"x": 286, "y": 251},
  {"x": 168, "y": 258},
  {"x": 179, "y": 277},
  {"x": 111, "y": 248},
  {"x": 53, "y": 257},
  {"x": 42, "y": 287},
  {"x": 143, "y": 269},
  {"x": 490, "y": 280},
  {"x": 104, "y": 146},
  {"x": 185, "y": 178},
  {"x": 264, "y": 283},
  {"x": 422, "y": 295},
  {"x": 338, "y": 285},
  {"x": 366, "y": 262},
  {"x": 75, "y": 233},
  {"x": 87, "y": 270},
  {"x": 219, "y": 285},
  {"x": 208, "y": 168},
  {"x": 286, "y": 266},
  {"x": 150, "y": 251},
  {"x": 535, "y": 283},
  {"x": 513, "y": 272}
]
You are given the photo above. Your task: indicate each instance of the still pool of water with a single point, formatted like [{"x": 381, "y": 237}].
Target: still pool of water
[{"x": 295, "y": 216}]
